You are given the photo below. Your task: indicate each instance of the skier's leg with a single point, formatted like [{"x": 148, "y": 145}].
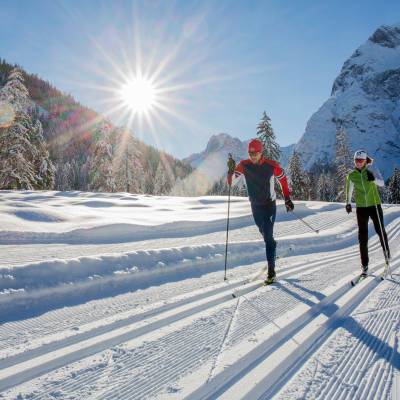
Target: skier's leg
[
  {"x": 379, "y": 226},
  {"x": 270, "y": 243},
  {"x": 258, "y": 216},
  {"x": 264, "y": 217},
  {"x": 362, "y": 221}
]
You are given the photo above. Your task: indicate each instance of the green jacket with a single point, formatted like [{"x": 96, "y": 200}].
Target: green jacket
[{"x": 366, "y": 192}]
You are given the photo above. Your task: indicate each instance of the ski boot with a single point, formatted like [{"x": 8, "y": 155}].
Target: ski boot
[
  {"x": 270, "y": 279},
  {"x": 364, "y": 270}
]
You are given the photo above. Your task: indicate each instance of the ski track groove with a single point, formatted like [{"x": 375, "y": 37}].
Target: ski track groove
[
  {"x": 345, "y": 365},
  {"x": 129, "y": 365},
  {"x": 190, "y": 359},
  {"x": 183, "y": 344},
  {"x": 58, "y": 320},
  {"x": 349, "y": 378}
]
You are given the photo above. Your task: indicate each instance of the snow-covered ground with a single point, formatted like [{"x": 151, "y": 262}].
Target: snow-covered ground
[{"x": 119, "y": 296}]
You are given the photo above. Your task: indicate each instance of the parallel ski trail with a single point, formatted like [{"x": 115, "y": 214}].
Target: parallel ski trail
[
  {"x": 197, "y": 344},
  {"x": 365, "y": 365},
  {"x": 59, "y": 320}
]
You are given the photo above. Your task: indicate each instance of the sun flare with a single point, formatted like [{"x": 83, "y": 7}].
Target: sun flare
[{"x": 139, "y": 95}]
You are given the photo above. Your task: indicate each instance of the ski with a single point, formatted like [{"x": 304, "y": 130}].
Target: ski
[{"x": 358, "y": 279}]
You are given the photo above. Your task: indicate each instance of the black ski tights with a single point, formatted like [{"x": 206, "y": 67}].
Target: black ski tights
[{"x": 363, "y": 215}]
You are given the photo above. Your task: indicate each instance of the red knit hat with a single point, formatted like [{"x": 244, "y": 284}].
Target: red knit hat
[{"x": 255, "y": 146}]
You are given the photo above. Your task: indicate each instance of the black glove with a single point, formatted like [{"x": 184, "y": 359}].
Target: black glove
[
  {"x": 348, "y": 208},
  {"x": 289, "y": 204},
  {"x": 231, "y": 169},
  {"x": 231, "y": 165},
  {"x": 370, "y": 175}
]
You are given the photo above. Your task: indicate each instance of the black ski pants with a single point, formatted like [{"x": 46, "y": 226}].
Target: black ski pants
[
  {"x": 363, "y": 215},
  {"x": 264, "y": 217}
]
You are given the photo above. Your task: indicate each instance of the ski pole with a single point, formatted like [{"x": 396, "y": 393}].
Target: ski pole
[
  {"x": 385, "y": 249},
  {"x": 305, "y": 223},
  {"x": 227, "y": 230},
  {"x": 231, "y": 169}
]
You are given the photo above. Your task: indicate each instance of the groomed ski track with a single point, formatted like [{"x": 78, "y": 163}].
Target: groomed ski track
[{"x": 166, "y": 341}]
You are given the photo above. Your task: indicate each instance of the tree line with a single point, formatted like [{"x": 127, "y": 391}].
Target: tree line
[
  {"x": 50, "y": 141},
  {"x": 325, "y": 181}
]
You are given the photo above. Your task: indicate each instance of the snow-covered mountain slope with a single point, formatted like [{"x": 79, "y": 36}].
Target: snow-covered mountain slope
[
  {"x": 286, "y": 153},
  {"x": 137, "y": 307},
  {"x": 365, "y": 101}
]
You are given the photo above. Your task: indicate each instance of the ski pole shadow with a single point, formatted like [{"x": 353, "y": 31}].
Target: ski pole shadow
[
  {"x": 315, "y": 293},
  {"x": 381, "y": 349}
]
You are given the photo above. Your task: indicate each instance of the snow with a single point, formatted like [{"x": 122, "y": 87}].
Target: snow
[
  {"x": 114, "y": 295},
  {"x": 365, "y": 103}
]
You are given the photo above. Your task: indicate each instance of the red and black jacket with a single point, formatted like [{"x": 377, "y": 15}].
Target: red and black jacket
[{"x": 260, "y": 180}]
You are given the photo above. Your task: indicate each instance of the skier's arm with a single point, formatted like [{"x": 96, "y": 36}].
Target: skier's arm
[
  {"x": 281, "y": 178},
  {"x": 349, "y": 189},
  {"x": 376, "y": 177}
]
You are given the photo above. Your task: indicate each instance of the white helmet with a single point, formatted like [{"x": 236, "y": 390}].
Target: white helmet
[{"x": 360, "y": 155}]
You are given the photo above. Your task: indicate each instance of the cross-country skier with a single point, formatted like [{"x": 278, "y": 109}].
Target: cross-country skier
[
  {"x": 260, "y": 174},
  {"x": 368, "y": 205}
]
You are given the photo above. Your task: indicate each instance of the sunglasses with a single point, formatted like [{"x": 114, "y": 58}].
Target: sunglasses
[
  {"x": 359, "y": 160},
  {"x": 253, "y": 153}
]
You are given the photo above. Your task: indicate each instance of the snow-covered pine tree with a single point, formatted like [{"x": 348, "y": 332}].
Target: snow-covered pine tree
[
  {"x": 101, "y": 161},
  {"x": 18, "y": 152},
  {"x": 163, "y": 181},
  {"x": 44, "y": 168},
  {"x": 128, "y": 170},
  {"x": 297, "y": 178},
  {"x": 394, "y": 187},
  {"x": 15, "y": 93},
  {"x": 343, "y": 162},
  {"x": 267, "y": 136},
  {"x": 325, "y": 187}
]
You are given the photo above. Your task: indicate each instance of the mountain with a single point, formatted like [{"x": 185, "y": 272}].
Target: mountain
[
  {"x": 74, "y": 133},
  {"x": 212, "y": 160},
  {"x": 365, "y": 101},
  {"x": 286, "y": 153},
  {"x": 219, "y": 146}
]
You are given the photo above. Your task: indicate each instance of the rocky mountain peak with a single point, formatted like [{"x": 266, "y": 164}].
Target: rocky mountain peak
[
  {"x": 222, "y": 141},
  {"x": 365, "y": 102},
  {"x": 387, "y": 36}
]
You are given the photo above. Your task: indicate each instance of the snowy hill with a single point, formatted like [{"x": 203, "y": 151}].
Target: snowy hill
[
  {"x": 122, "y": 296},
  {"x": 365, "y": 101}
]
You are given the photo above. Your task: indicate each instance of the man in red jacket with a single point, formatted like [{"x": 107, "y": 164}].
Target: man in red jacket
[{"x": 260, "y": 174}]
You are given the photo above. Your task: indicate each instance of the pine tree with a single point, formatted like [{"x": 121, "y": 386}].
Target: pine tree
[
  {"x": 101, "y": 162},
  {"x": 163, "y": 181},
  {"x": 16, "y": 169},
  {"x": 128, "y": 170},
  {"x": 267, "y": 136},
  {"x": 394, "y": 187},
  {"x": 24, "y": 159},
  {"x": 44, "y": 168},
  {"x": 325, "y": 187},
  {"x": 297, "y": 178},
  {"x": 343, "y": 162}
]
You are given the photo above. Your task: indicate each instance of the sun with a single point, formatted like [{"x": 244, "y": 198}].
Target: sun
[{"x": 138, "y": 94}]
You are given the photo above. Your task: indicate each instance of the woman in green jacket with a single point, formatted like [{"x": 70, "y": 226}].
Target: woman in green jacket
[{"x": 368, "y": 204}]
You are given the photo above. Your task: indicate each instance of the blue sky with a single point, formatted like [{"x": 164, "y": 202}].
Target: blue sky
[{"x": 221, "y": 63}]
